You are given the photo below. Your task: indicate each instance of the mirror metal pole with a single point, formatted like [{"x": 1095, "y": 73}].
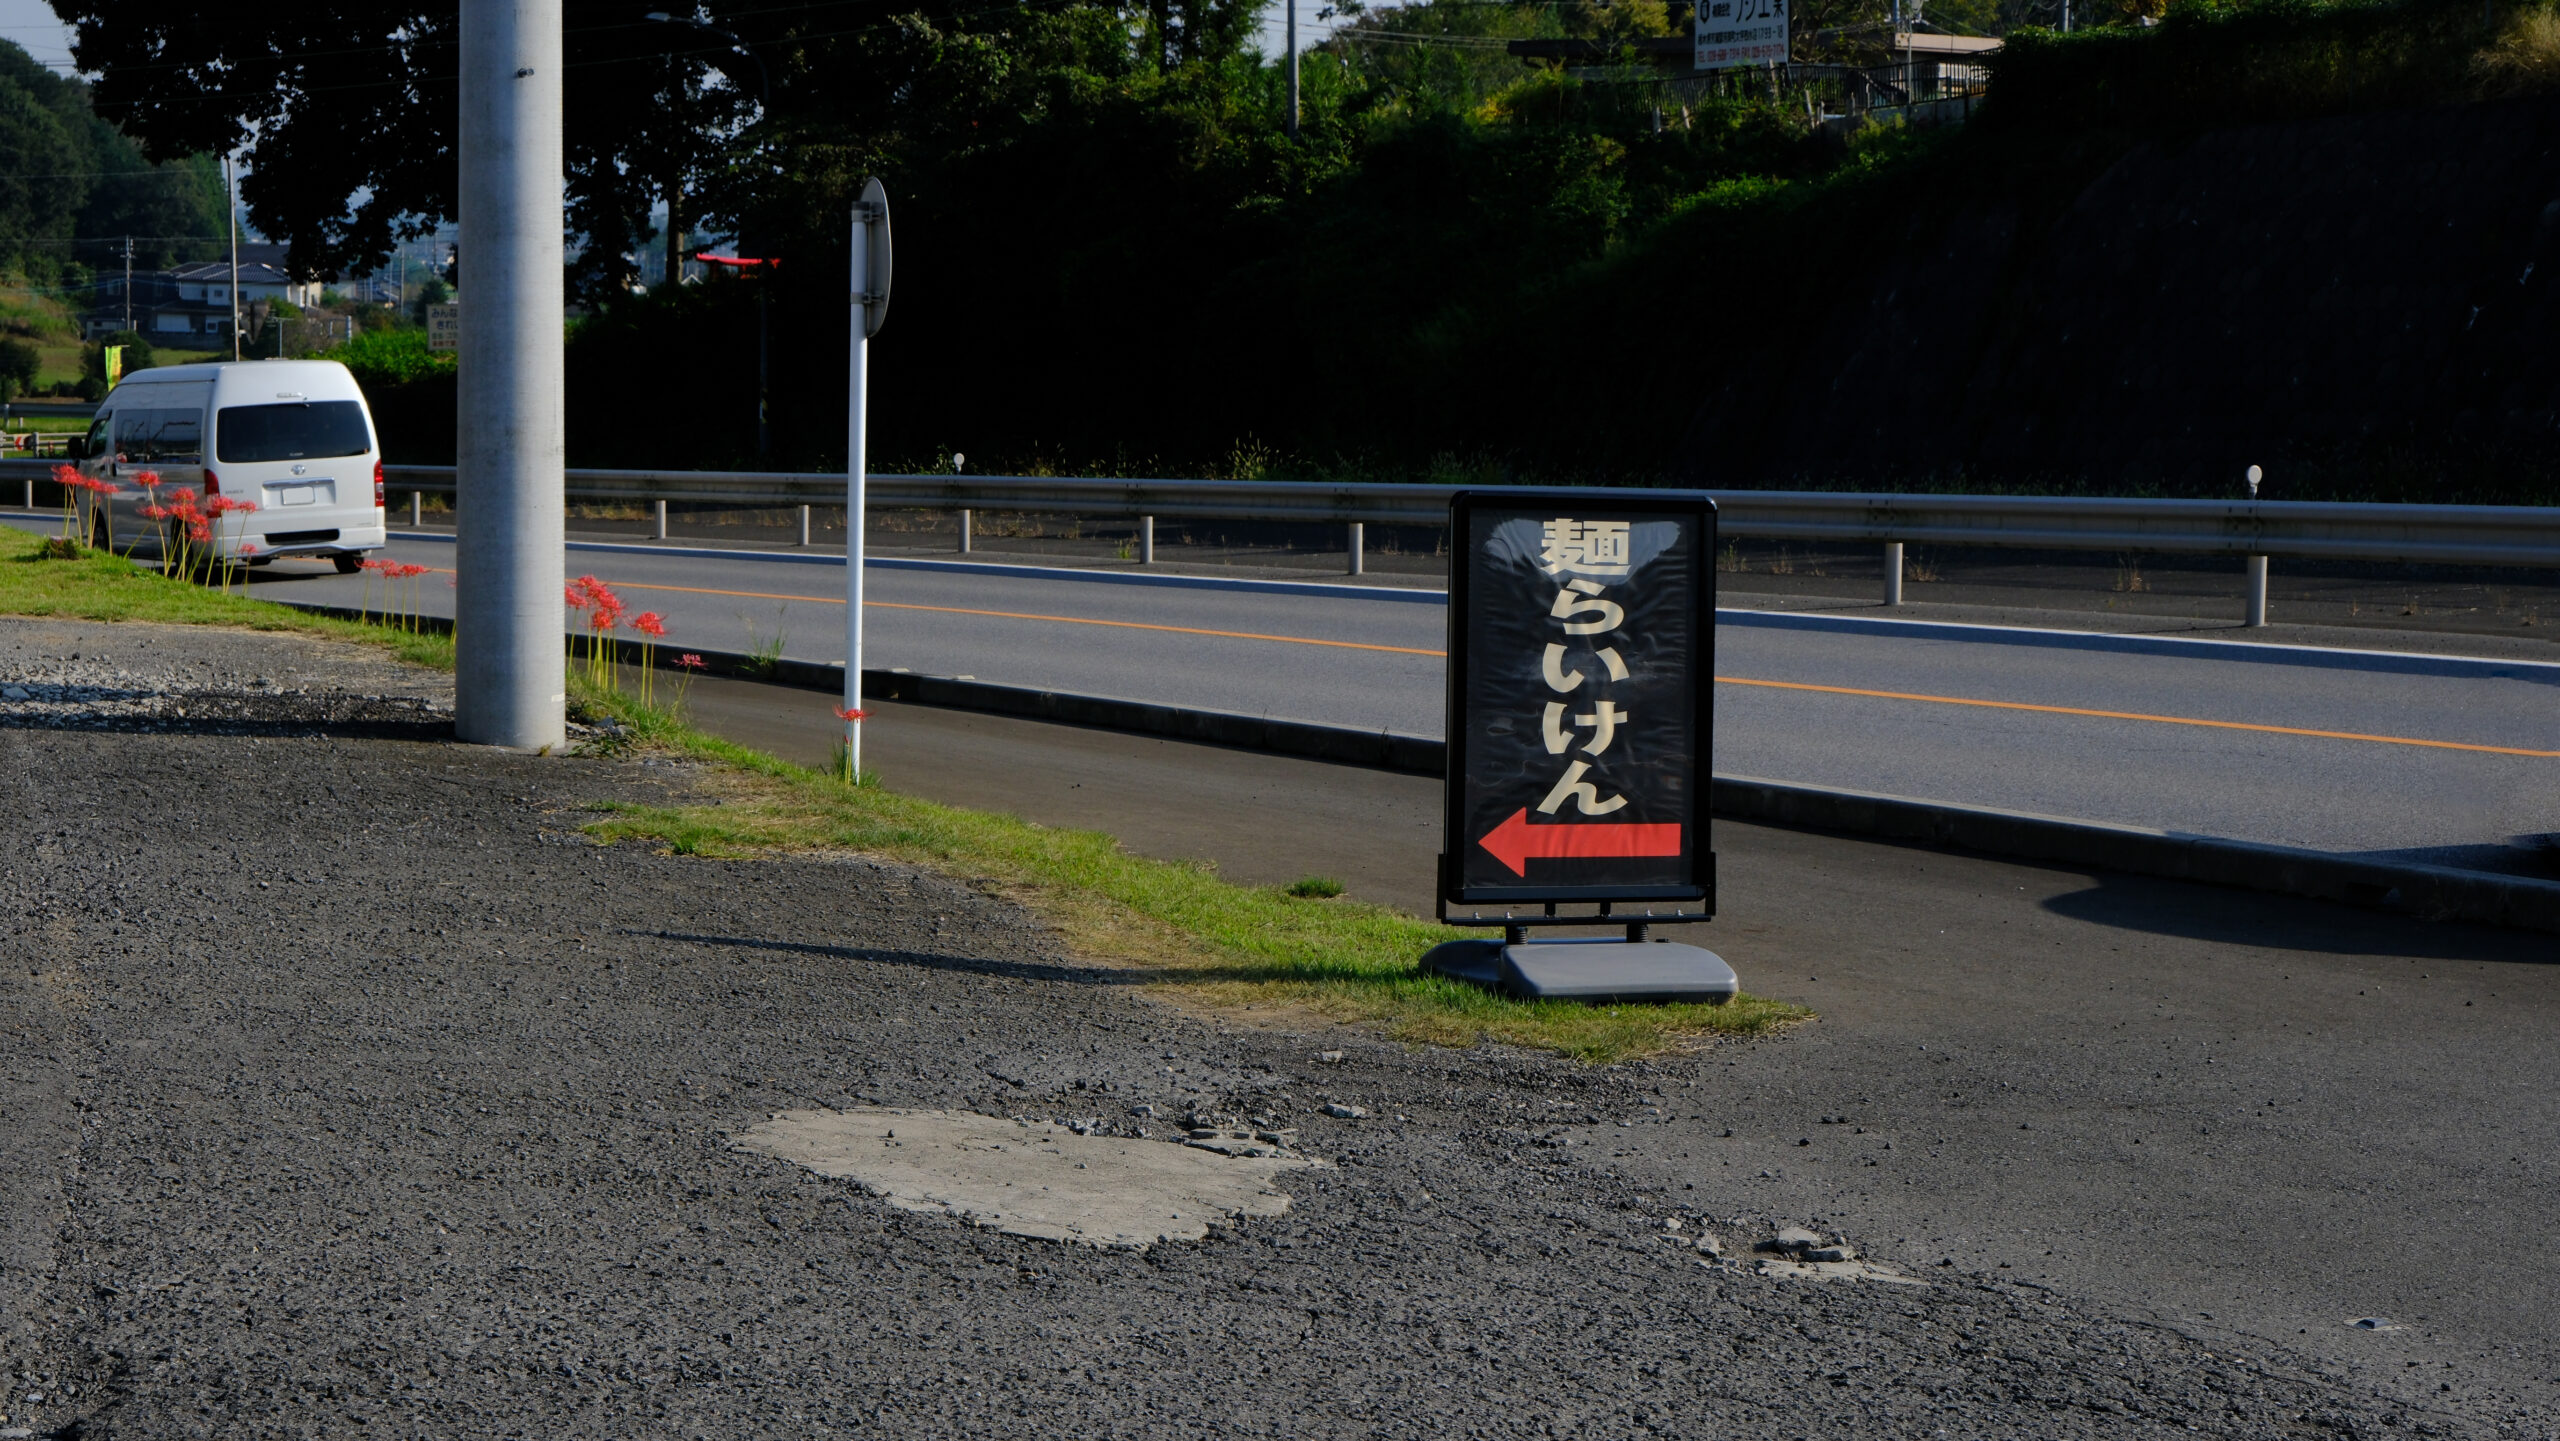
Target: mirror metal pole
[{"x": 857, "y": 408}]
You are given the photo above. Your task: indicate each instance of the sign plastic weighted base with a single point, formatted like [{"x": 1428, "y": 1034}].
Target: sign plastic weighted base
[{"x": 1595, "y": 972}]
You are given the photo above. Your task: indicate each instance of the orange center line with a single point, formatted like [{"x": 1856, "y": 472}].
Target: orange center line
[
  {"x": 1173, "y": 629},
  {"x": 2140, "y": 716},
  {"x": 1720, "y": 680}
]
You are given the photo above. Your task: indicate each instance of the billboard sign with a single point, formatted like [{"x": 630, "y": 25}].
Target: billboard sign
[
  {"x": 444, "y": 327},
  {"x": 1733, "y": 33},
  {"x": 1581, "y": 667}
]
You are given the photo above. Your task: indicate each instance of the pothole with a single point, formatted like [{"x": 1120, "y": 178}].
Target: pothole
[{"x": 1028, "y": 1178}]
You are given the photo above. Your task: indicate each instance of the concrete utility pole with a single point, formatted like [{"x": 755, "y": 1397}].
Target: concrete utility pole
[{"x": 510, "y": 668}]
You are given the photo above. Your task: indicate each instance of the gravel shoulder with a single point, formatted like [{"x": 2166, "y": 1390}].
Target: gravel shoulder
[{"x": 349, "y": 1088}]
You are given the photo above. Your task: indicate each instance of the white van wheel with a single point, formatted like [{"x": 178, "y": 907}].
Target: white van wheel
[{"x": 348, "y": 563}]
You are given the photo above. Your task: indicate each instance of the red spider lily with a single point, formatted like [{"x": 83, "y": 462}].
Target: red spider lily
[
  {"x": 575, "y": 598},
  {"x": 156, "y": 512},
  {"x": 598, "y": 592},
  {"x": 66, "y": 475},
  {"x": 689, "y": 661},
  {"x": 852, "y": 714},
  {"x": 147, "y": 479},
  {"x": 650, "y": 624},
  {"x": 200, "y": 531},
  {"x": 230, "y": 505}
]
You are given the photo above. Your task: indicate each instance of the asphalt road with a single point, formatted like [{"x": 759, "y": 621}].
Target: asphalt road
[
  {"x": 2324, "y": 743},
  {"x": 2335, "y": 747},
  {"x": 346, "y": 1090}
]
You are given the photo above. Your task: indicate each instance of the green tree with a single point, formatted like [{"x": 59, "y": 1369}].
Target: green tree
[
  {"x": 432, "y": 292},
  {"x": 19, "y": 362},
  {"x": 71, "y": 185}
]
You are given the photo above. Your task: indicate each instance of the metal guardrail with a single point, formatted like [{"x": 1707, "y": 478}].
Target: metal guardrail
[
  {"x": 2487, "y": 535},
  {"x": 2499, "y": 535}
]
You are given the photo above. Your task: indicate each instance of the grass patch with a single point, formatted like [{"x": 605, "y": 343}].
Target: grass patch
[
  {"x": 93, "y": 585},
  {"x": 1175, "y": 926},
  {"x": 1223, "y": 944}
]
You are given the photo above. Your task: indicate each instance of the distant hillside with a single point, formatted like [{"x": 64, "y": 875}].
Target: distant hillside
[{"x": 72, "y": 187}]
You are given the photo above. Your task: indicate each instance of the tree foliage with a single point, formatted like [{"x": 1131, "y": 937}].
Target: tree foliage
[
  {"x": 1111, "y": 253},
  {"x": 71, "y": 185}
]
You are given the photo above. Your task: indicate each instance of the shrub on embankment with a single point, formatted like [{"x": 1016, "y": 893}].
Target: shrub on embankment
[
  {"x": 2212, "y": 63},
  {"x": 2283, "y": 234}
]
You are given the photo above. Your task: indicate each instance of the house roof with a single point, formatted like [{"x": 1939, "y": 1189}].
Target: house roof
[
  {"x": 1928, "y": 44},
  {"x": 250, "y": 274}
]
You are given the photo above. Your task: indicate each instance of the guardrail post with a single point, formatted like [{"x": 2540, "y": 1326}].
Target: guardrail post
[
  {"x": 417, "y": 508},
  {"x": 31, "y": 495},
  {"x": 1893, "y": 572},
  {"x": 804, "y": 525},
  {"x": 662, "y": 520},
  {"x": 1146, "y": 540},
  {"x": 1357, "y": 538},
  {"x": 964, "y": 532},
  {"x": 2257, "y": 615}
]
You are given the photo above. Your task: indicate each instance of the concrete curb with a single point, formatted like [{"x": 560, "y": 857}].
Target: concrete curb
[{"x": 2431, "y": 892}]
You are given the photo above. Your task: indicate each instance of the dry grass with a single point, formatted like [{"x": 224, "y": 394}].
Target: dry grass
[{"x": 2524, "y": 58}]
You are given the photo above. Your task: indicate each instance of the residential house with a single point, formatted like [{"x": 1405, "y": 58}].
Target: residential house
[{"x": 195, "y": 301}]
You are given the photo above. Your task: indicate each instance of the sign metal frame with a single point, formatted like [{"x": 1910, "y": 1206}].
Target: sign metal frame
[{"x": 1547, "y": 903}]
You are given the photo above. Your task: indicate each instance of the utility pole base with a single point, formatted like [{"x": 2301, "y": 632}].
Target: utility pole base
[{"x": 1593, "y": 972}]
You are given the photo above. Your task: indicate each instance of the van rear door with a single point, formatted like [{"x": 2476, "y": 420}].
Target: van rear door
[{"x": 306, "y": 463}]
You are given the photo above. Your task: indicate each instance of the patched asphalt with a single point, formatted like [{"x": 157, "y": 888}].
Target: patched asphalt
[{"x": 347, "y": 1089}]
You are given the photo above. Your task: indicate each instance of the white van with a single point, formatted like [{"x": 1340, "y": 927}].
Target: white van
[{"x": 291, "y": 437}]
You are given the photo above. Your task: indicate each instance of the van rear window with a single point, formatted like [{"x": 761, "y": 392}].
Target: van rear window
[{"x": 307, "y": 430}]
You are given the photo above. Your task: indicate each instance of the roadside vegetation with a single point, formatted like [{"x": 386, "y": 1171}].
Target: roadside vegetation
[
  {"x": 1301, "y": 949},
  {"x": 1116, "y": 258}
]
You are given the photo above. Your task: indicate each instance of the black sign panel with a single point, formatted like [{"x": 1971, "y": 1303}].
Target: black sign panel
[{"x": 1581, "y": 660}]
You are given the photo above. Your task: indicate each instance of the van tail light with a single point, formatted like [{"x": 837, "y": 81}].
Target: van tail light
[
  {"x": 212, "y": 483},
  {"x": 377, "y": 485}
]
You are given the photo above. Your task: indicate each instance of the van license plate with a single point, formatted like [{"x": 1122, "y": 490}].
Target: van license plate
[{"x": 294, "y": 494}]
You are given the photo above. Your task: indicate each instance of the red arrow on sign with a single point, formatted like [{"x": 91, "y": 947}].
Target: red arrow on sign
[{"x": 1514, "y": 841}]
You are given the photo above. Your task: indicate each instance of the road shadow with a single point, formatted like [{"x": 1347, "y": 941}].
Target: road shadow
[
  {"x": 1072, "y": 974},
  {"x": 148, "y": 712},
  {"x": 2198, "y": 912},
  {"x": 926, "y": 960}
]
